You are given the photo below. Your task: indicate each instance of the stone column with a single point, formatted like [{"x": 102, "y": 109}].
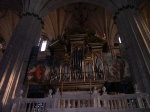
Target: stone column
[
  {"x": 135, "y": 37},
  {"x": 15, "y": 60}
]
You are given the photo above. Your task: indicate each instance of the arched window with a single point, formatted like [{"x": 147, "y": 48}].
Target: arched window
[
  {"x": 119, "y": 40},
  {"x": 43, "y": 42},
  {"x": 43, "y": 45}
]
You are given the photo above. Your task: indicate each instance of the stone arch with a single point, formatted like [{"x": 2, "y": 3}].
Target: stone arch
[{"x": 109, "y": 5}]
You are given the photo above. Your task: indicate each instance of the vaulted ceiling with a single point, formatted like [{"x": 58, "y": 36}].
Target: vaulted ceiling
[
  {"x": 145, "y": 11},
  {"x": 97, "y": 18},
  {"x": 92, "y": 16}
]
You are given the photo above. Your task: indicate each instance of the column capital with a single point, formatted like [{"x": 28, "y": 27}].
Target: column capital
[
  {"x": 34, "y": 15},
  {"x": 132, "y": 7},
  {"x": 34, "y": 8}
]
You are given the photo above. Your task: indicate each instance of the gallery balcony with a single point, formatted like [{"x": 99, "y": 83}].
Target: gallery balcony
[{"x": 84, "y": 101}]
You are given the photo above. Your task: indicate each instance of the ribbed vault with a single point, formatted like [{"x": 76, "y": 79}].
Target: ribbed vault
[
  {"x": 8, "y": 21},
  {"x": 96, "y": 18},
  {"x": 99, "y": 19},
  {"x": 145, "y": 11}
]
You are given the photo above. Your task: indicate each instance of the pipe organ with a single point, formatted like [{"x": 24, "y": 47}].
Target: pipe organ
[
  {"x": 73, "y": 59},
  {"x": 82, "y": 62}
]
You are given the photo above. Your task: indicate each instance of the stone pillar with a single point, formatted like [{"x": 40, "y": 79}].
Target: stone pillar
[
  {"x": 135, "y": 36},
  {"x": 16, "y": 57}
]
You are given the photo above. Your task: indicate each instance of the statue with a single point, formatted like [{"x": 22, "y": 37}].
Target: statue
[
  {"x": 57, "y": 91},
  {"x": 95, "y": 90},
  {"x": 20, "y": 94},
  {"x": 50, "y": 93},
  {"x": 104, "y": 90},
  {"x": 136, "y": 88}
]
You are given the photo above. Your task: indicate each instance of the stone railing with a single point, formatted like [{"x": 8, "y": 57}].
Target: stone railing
[
  {"x": 84, "y": 102},
  {"x": 73, "y": 100}
]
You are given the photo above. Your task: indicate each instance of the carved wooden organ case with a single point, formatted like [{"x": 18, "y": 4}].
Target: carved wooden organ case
[{"x": 77, "y": 57}]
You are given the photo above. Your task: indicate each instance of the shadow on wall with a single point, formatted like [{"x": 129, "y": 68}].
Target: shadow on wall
[{"x": 119, "y": 87}]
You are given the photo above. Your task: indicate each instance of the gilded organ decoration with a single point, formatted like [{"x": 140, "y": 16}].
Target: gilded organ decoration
[
  {"x": 77, "y": 60},
  {"x": 98, "y": 67},
  {"x": 65, "y": 72},
  {"x": 89, "y": 73},
  {"x": 53, "y": 75}
]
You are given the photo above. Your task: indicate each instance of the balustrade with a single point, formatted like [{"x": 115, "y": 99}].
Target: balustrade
[
  {"x": 75, "y": 100},
  {"x": 82, "y": 100}
]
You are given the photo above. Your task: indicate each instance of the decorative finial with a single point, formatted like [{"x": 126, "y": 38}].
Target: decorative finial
[
  {"x": 95, "y": 90},
  {"x": 20, "y": 93},
  {"x": 50, "y": 93},
  {"x": 57, "y": 90},
  {"x": 136, "y": 88},
  {"x": 104, "y": 90}
]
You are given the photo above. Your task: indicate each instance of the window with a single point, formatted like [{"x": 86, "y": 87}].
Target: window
[
  {"x": 43, "y": 46},
  {"x": 119, "y": 39}
]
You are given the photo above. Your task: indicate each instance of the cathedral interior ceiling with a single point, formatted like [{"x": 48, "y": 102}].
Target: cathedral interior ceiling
[{"x": 94, "y": 17}]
